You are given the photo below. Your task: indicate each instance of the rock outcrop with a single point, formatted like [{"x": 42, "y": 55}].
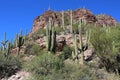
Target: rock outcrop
[
  {"x": 107, "y": 20},
  {"x": 85, "y": 14}
]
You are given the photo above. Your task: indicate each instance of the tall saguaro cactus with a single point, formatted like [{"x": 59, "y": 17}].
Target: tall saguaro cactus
[
  {"x": 82, "y": 47},
  {"x": 63, "y": 24},
  {"x": 50, "y": 37},
  {"x": 75, "y": 53},
  {"x": 20, "y": 41},
  {"x": 4, "y": 43},
  {"x": 71, "y": 21},
  {"x": 8, "y": 49}
]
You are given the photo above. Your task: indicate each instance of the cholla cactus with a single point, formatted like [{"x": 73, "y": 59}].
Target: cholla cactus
[{"x": 50, "y": 37}]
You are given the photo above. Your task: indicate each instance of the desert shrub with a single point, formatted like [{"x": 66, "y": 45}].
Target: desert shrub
[
  {"x": 70, "y": 73},
  {"x": 67, "y": 52},
  {"x": 84, "y": 28},
  {"x": 44, "y": 65},
  {"x": 33, "y": 49},
  {"x": 38, "y": 34},
  {"x": 66, "y": 20},
  {"x": 75, "y": 28},
  {"x": 9, "y": 65},
  {"x": 58, "y": 29},
  {"x": 106, "y": 42}
]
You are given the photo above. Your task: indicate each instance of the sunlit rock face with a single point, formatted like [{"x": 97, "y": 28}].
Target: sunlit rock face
[
  {"x": 84, "y": 14},
  {"x": 107, "y": 20}
]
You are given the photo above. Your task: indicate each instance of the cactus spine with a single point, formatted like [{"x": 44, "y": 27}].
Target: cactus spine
[{"x": 50, "y": 37}]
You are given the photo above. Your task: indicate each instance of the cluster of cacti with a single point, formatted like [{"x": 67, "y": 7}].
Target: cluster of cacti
[
  {"x": 6, "y": 46},
  {"x": 19, "y": 41},
  {"x": 4, "y": 43},
  {"x": 50, "y": 37},
  {"x": 82, "y": 47}
]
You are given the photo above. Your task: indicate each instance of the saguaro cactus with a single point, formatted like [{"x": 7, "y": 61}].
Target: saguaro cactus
[
  {"x": 75, "y": 53},
  {"x": 81, "y": 47},
  {"x": 20, "y": 41},
  {"x": 15, "y": 41},
  {"x": 4, "y": 43},
  {"x": 71, "y": 21},
  {"x": 8, "y": 49},
  {"x": 63, "y": 24},
  {"x": 50, "y": 37}
]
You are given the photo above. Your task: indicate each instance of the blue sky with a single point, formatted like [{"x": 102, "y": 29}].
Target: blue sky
[{"x": 20, "y": 14}]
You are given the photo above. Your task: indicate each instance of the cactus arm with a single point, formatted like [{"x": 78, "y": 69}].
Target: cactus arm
[
  {"x": 47, "y": 36},
  {"x": 80, "y": 36},
  {"x": 50, "y": 37}
]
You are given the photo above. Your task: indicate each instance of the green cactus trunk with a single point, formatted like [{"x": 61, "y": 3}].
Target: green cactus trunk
[
  {"x": 20, "y": 42},
  {"x": 47, "y": 36},
  {"x": 75, "y": 53},
  {"x": 4, "y": 43},
  {"x": 8, "y": 49},
  {"x": 82, "y": 47},
  {"x": 63, "y": 25},
  {"x": 50, "y": 37},
  {"x": 71, "y": 22}
]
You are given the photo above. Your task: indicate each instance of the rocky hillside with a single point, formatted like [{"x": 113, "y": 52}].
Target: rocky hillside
[{"x": 78, "y": 14}]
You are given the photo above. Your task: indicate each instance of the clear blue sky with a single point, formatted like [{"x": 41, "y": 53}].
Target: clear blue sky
[{"x": 20, "y": 14}]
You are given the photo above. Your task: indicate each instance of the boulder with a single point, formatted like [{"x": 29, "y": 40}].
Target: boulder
[{"x": 61, "y": 42}]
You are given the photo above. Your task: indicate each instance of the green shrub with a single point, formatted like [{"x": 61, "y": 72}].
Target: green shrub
[
  {"x": 75, "y": 28},
  {"x": 33, "y": 49},
  {"x": 38, "y": 34},
  {"x": 9, "y": 65},
  {"x": 71, "y": 73},
  {"x": 58, "y": 29},
  {"x": 106, "y": 42},
  {"x": 67, "y": 52},
  {"x": 44, "y": 65},
  {"x": 84, "y": 28}
]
